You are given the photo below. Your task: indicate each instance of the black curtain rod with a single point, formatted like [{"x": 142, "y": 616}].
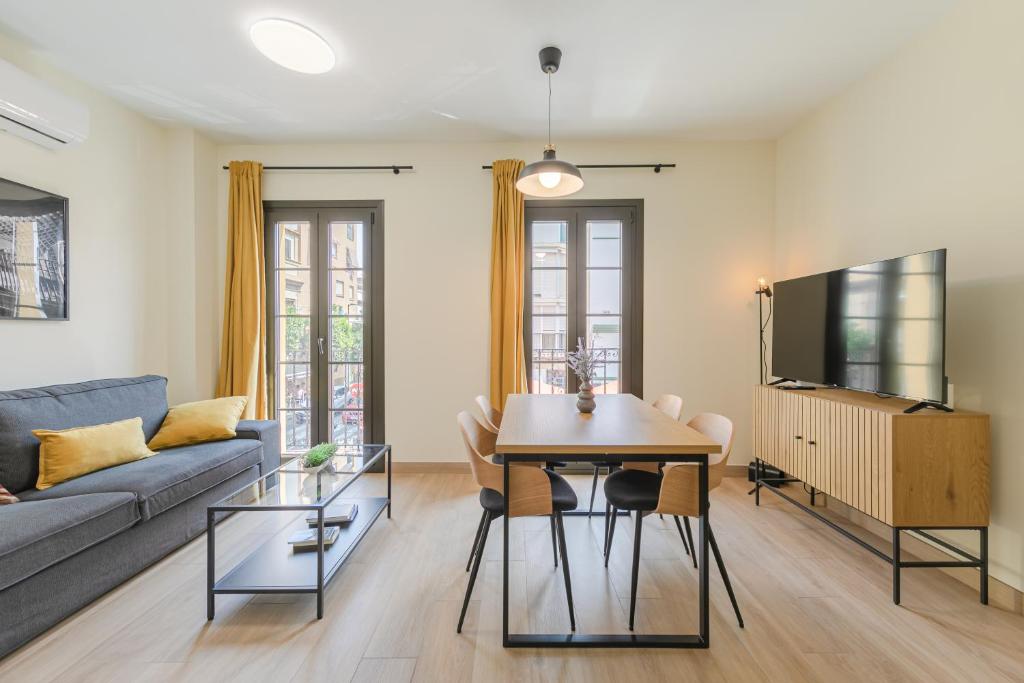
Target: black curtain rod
[
  {"x": 657, "y": 167},
  {"x": 394, "y": 169}
]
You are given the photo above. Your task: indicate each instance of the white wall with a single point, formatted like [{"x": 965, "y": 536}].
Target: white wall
[
  {"x": 928, "y": 152},
  {"x": 115, "y": 183},
  {"x": 708, "y": 231}
]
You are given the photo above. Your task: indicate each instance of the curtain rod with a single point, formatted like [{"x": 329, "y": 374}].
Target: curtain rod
[
  {"x": 394, "y": 169},
  {"x": 657, "y": 167}
]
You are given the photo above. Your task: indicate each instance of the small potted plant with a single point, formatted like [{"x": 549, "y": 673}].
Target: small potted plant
[
  {"x": 584, "y": 363},
  {"x": 318, "y": 457}
]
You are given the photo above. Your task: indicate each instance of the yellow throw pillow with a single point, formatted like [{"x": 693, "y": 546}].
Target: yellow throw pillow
[
  {"x": 198, "y": 422},
  {"x": 68, "y": 453}
]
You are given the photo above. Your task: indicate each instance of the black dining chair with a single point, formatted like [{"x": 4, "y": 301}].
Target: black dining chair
[
  {"x": 673, "y": 491},
  {"x": 535, "y": 491}
]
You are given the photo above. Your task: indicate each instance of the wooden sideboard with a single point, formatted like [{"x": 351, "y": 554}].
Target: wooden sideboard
[{"x": 925, "y": 470}]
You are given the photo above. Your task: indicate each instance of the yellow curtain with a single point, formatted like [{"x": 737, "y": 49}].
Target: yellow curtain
[
  {"x": 243, "y": 350},
  {"x": 508, "y": 364}
]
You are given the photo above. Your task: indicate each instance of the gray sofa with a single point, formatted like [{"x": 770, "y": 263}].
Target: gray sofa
[{"x": 63, "y": 547}]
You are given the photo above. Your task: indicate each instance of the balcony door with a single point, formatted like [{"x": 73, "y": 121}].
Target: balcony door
[
  {"x": 325, "y": 297},
  {"x": 584, "y": 279}
]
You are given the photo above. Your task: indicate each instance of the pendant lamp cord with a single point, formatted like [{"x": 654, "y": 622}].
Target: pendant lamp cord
[{"x": 549, "y": 109}]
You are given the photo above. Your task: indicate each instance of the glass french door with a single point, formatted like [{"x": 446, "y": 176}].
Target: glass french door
[
  {"x": 320, "y": 289},
  {"x": 583, "y": 280}
]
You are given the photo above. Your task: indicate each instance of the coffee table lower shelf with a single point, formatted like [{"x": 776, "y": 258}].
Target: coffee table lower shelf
[{"x": 275, "y": 568}]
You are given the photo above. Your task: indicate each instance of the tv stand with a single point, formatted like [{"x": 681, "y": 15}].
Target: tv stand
[
  {"x": 921, "y": 405},
  {"x": 914, "y": 472}
]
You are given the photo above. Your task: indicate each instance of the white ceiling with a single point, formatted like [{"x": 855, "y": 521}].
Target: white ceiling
[{"x": 631, "y": 68}]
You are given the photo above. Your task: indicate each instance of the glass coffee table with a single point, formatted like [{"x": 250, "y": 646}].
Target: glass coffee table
[{"x": 273, "y": 566}]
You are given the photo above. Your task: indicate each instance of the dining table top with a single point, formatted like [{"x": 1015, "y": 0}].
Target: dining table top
[{"x": 622, "y": 424}]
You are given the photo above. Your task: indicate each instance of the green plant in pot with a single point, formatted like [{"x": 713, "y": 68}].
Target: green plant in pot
[{"x": 319, "y": 456}]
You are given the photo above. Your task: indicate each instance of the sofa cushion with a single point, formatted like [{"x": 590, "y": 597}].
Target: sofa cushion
[
  {"x": 166, "y": 479},
  {"x": 38, "y": 534},
  {"x": 71, "y": 405}
]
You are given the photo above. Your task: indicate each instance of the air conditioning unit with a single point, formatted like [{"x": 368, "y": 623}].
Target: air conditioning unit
[{"x": 31, "y": 109}]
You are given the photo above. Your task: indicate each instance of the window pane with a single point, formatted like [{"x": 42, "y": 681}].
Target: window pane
[
  {"x": 295, "y": 429},
  {"x": 548, "y": 378},
  {"x": 549, "y": 243},
  {"x": 293, "y": 386},
  {"x": 347, "y": 427},
  {"x": 294, "y": 287},
  {"x": 549, "y": 338},
  {"x": 606, "y": 378},
  {"x": 605, "y": 333},
  {"x": 293, "y": 338},
  {"x": 549, "y": 291},
  {"x": 293, "y": 244},
  {"x": 604, "y": 291},
  {"x": 346, "y": 245},
  {"x": 347, "y": 385},
  {"x": 604, "y": 244},
  {"x": 346, "y": 292},
  {"x": 346, "y": 340}
]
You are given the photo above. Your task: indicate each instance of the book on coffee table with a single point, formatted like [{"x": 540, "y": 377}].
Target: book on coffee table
[
  {"x": 338, "y": 513},
  {"x": 307, "y": 539}
]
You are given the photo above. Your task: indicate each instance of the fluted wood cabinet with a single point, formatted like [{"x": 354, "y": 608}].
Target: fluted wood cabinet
[{"x": 920, "y": 470}]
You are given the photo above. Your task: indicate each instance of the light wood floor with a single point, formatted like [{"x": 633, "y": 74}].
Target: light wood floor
[{"x": 817, "y": 608}]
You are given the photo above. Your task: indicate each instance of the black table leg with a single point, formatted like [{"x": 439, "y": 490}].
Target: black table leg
[
  {"x": 320, "y": 564},
  {"x": 389, "y": 482},
  {"x": 210, "y": 564},
  {"x": 705, "y": 620},
  {"x": 504, "y": 558}
]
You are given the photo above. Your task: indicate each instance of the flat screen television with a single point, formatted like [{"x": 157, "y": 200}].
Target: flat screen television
[
  {"x": 880, "y": 327},
  {"x": 33, "y": 253}
]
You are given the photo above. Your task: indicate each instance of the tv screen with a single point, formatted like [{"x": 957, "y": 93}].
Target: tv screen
[
  {"x": 879, "y": 327},
  {"x": 33, "y": 253}
]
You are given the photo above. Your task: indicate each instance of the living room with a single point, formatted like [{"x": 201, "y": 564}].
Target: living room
[{"x": 347, "y": 250}]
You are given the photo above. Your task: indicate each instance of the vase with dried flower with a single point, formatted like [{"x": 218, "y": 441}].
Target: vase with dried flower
[{"x": 584, "y": 362}]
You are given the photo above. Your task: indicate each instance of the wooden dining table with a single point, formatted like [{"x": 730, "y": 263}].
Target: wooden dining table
[{"x": 622, "y": 428}]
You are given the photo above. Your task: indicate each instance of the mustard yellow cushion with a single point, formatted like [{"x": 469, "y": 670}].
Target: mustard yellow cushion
[
  {"x": 199, "y": 421},
  {"x": 68, "y": 453}
]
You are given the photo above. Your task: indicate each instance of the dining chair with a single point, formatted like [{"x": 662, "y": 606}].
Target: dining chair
[
  {"x": 671, "y": 405},
  {"x": 674, "y": 491},
  {"x": 492, "y": 423},
  {"x": 535, "y": 491}
]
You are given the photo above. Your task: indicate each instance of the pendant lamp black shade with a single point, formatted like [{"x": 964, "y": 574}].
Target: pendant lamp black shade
[{"x": 549, "y": 177}]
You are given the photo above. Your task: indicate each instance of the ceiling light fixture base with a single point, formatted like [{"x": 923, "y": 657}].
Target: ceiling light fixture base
[{"x": 550, "y": 59}]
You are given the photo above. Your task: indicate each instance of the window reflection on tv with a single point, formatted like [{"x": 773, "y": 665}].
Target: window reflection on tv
[
  {"x": 878, "y": 327},
  {"x": 33, "y": 254}
]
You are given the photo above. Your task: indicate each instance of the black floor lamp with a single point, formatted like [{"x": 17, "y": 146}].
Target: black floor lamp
[{"x": 763, "y": 291}]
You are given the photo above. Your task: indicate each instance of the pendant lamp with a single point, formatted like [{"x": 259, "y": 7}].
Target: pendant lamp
[{"x": 549, "y": 177}]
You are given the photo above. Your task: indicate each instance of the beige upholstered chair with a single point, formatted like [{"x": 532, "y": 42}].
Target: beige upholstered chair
[
  {"x": 535, "y": 491},
  {"x": 675, "y": 492}
]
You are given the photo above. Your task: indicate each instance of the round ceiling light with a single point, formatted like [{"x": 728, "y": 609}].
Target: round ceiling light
[{"x": 292, "y": 45}]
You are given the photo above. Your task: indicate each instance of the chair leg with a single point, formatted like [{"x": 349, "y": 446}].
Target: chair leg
[
  {"x": 689, "y": 535},
  {"x": 476, "y": 539},
  {"x": 611, "y": 535},
  {"x": 686, "y": 546},
  {"x": 476, "y": 568},
  {"x": 554, "y": 545},
  {"x": 565, "y": 568},
  {"x": 725, "y": 575},
  {"x": 593, "y": 491},
  {"x": 636, "y": 567}
]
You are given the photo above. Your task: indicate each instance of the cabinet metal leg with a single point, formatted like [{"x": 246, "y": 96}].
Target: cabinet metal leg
[
  {"x": 983, "y": 555},
  {"x": 896, "y": 565}
]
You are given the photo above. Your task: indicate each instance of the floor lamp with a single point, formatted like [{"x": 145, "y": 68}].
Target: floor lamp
[{"x": 763, "y": 291}]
